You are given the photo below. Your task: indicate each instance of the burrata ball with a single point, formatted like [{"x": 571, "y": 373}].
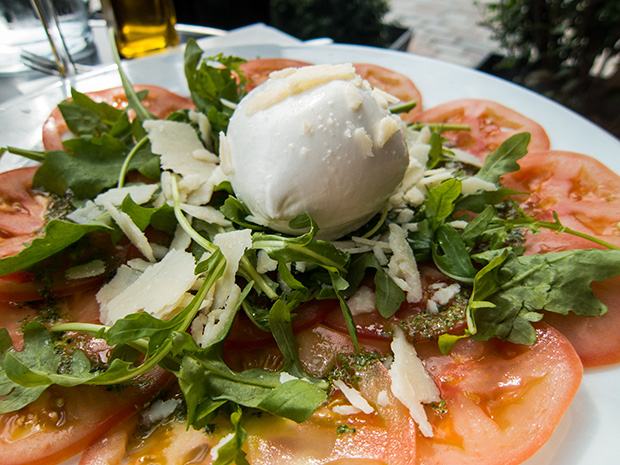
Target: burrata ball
[{"x": 316, "y": 140}]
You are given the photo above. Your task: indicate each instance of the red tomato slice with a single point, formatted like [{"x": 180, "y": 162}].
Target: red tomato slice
[
  {"x": 258, "y": 70},
  {"x": 82, "y": 307},
  {"x": 22, "y": 210},
  {"x": 384, "y": 436},
  {"x": 490, "y": 124},
  {"x": 159, "y": 101},
  {"x": 169, "y": 443},
  {"x": 503, "y": 401},
  {"x": 586, "y": 196},
  {"x": 580, "y": 189},
  {"x": 63, "y": 421},
  {"x": 393, "y": 83}
]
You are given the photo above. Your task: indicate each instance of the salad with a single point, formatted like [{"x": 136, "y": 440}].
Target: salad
[{"x": 295, "y": 386}]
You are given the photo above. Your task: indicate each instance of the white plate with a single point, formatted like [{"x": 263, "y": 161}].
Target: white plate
[{"x": 590, "y": 431}]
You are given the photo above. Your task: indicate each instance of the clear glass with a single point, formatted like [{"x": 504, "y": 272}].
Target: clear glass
[{"x": 21, "y": 29}]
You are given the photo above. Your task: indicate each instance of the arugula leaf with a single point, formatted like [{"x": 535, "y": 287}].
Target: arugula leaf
[
  {"x": 451, "y": 255},
  {"x": 212, "y": 86},
  {"x": 87, "y": 117},
  {"x": 388, "y": 296},
  {"x": 230, "y": 452},
  {"x": 93, "y": 165},
  {"x": 58, "y": 236},
  {"x": 280, "y": 325},
  {"x": 504, "y": 159},
  {"x": 523, "y": 286},
  {"x": 205, "y": 375},
  {"x": 302, "y": 248},
  {"x": 161, "y": 218},
  {"x": 439, "y": 203}
]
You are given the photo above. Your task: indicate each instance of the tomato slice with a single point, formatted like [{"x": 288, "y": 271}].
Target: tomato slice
[
  {"x": 393, "y": 83},
  {"x": 384, "y": 436},
  {"x": 581, "y": 190},
  {"x": 63, "y": 421},
  {"x": 490, "y": 124},
  {"x": 159, "y": 101},
  {"x": 81, "y": 306},
  {"x": 22, "y": 210},
  {"x": 257, "y": 71},
  {"x": 503, "y": 401},
  {"x": 171, "y": 442},
  {"x": 586, "y": 196}
]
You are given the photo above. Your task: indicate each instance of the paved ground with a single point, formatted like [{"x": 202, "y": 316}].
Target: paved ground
[{"x": 446, "y": 29}]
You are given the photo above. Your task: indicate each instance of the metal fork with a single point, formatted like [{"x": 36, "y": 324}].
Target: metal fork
[{"x": 46, "y": 65}]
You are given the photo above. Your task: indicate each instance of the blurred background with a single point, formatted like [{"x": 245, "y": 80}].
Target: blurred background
[{"x": 568, "y": 50}]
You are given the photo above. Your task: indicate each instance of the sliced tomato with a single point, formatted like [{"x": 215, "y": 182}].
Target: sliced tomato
[
  {"x": 385, "y": 436},
  {"x": 257, "y": 71},
  {"x": 586, "y": 196},
  {"x": 490, "y": 124},
  {"x": 502, "y": 401},
  {"x": 392, "y": 82},
  {"x": 22, "y": 210},
  {"x": 159, "y": 101},
  {"x": 64, "y": 421},
  {"x": 81, "y": 306},
  {"x": 169, "y": 443},
  {"x": 581, "y": 190}
]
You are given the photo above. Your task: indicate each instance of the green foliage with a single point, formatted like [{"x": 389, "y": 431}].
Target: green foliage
[
  {"x": 560, "y": 48},
  {"x": 353, "y": 21}
]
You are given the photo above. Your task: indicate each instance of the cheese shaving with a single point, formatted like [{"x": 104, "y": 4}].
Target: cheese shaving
[{"x": 411, "y": 384}]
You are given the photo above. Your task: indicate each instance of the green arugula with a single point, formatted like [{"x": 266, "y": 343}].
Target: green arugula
[{"x": 216, "y": 85}]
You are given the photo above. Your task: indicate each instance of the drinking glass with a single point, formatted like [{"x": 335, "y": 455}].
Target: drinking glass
[{"x": 65, "y": 32}]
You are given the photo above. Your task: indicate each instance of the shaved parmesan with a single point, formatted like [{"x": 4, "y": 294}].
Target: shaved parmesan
[
  {"x": 411, "y": 384},
  {"x": 363, "y": 301},
  {"x": 443, "y": 295},
  {"x": 354, "y": 397},
  {"x": 132, "y": 232},
  {"x": 473, "y": 184},
  {"x": 180, "y": 148},
  {"x": 158, "y": 290},
  {"x": 211, "y": 321},
  {"x": 346, "y": 410},
  {"x": 140, "y": 194},
  {"x": 206, "y": 213},
  {"x": 87, "y": 270},
  {"x": 402, "y": 267}
]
